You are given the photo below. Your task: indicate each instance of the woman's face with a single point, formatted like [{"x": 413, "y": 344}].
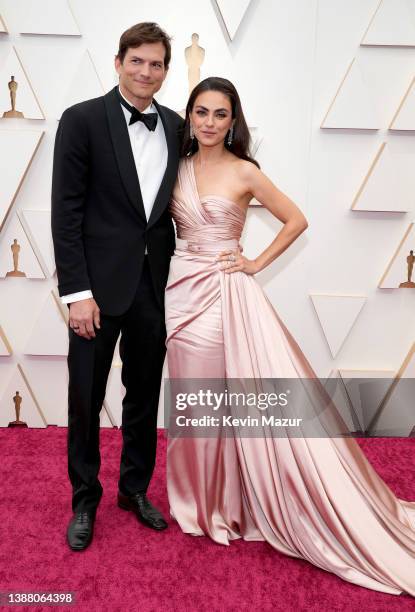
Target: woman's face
[{"x": 211, "y": 117}]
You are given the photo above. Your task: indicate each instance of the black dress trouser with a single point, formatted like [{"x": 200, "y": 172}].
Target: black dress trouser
[{"x": 142, "y": 351}]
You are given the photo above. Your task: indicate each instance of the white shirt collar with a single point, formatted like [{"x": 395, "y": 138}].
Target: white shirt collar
[{"x": 151, "y": 108}]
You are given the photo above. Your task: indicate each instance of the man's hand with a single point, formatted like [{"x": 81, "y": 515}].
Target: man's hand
[{"x": 83, "y": 315}]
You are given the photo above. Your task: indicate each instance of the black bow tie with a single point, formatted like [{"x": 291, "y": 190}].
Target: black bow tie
[{"x": 149, "y": 119}]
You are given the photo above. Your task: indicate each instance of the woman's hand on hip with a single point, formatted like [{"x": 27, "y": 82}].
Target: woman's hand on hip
[{"x": 234, "y": 261}]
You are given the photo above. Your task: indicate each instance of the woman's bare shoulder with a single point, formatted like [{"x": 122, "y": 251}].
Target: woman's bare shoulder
[{"x": 246, "y": 170}]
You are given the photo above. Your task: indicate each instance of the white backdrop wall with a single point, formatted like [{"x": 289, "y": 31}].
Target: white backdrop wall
[{"x": 288, "y": 60}]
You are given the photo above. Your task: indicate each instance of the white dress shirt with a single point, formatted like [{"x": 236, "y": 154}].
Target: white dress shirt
[{"x": 150, "y": 157}]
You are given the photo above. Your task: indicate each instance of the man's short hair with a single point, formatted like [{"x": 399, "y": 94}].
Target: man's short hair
[{"x": 141, "y": 33}]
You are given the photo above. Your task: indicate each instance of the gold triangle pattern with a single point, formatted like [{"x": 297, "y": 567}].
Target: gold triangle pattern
[
  {"x": 5, "y": 347},
  {"x": 9, "y": 195}
]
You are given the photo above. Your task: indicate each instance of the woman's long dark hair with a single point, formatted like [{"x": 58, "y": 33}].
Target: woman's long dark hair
[{"x": 241, "y": 136}]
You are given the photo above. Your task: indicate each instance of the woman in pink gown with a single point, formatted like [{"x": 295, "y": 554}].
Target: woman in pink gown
[{"x": 317, "y": 498}]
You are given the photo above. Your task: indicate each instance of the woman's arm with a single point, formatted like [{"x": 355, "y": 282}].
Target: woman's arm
[{"x": 280, "y": 205}]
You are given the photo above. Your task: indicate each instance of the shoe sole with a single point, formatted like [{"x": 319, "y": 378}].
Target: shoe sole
[
  {"x": 142, "y": 521},
  {"x": 80, "y": 549}
]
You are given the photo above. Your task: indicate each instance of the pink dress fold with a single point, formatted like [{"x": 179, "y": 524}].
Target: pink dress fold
[{"x": 318, "y": 499}]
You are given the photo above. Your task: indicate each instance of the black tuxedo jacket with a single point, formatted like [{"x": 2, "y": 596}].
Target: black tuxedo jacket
[{"x": 99, "y": 226}]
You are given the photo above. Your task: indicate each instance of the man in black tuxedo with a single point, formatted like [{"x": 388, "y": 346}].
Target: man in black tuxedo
[{"x": 115, "y": 165}]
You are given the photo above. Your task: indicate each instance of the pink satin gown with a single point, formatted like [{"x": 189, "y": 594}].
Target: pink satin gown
[{"x": 317, "y": 499}]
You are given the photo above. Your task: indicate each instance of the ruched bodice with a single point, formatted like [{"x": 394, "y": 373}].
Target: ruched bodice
[{"x": 212, "y": 218}]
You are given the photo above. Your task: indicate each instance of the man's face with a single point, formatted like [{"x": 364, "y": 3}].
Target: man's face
[{"x": 142, "y": 72}]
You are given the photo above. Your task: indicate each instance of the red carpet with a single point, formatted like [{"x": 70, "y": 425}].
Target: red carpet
[{"x": 130, "y": 567}]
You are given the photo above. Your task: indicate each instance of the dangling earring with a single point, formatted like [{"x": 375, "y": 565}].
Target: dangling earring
[
  {"x": 192, "y": 134},
  {"x": 230, "y": 137}
]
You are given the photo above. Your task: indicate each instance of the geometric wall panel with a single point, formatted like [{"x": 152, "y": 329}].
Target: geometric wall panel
[
  {"x": 3, "y": 28},
  {"x": 26, "y": 101},
  {"x": 345, "y": 373},
  {"x": 7, "y": 367},
  {"x": 396, "y": 410},
  {"x": 391, "y": 26},
  {"x": 30, "y": 411},
  {"x": 343, "y": 401},
  {"x": 104, "y": 419},
  {"x": 49, "y": 335},
  {"x": 397, "y": 269},
  {"x": 16, "y": 253},
  {"x": 404, "y": 118},
  {"x": 337, "y": 314},
  {"x": 37, "y": 227},
  {"x": 47, "y": 17},
  {"x": 407, "y": 369},
  {"x": 366, "y": 395},
  {"x": 48, "y": 379},
  {"x": 255, "y": 143},
  {"x": 256, "y": 139},
  {"x": 21, "y": 146},
  {"x": 384, "y": 187},
  {"x": 5, "y": 348},
  {"x": 352, "y": 106},
  {"x": 85, "y": 84},
  {"x": 232, "y": 13}
]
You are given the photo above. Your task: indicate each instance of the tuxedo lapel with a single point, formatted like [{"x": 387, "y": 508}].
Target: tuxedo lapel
[
  {"x": 170, "y": 174},
  {"x": 123, "y": 152}
]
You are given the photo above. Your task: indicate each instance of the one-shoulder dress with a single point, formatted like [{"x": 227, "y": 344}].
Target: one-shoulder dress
[{"x": 317, "y": 499}]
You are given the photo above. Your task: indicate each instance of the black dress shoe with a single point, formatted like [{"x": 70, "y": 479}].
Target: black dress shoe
[
  {"x": 80, "y": 530},
  {"x": 143, "y": 509}
]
